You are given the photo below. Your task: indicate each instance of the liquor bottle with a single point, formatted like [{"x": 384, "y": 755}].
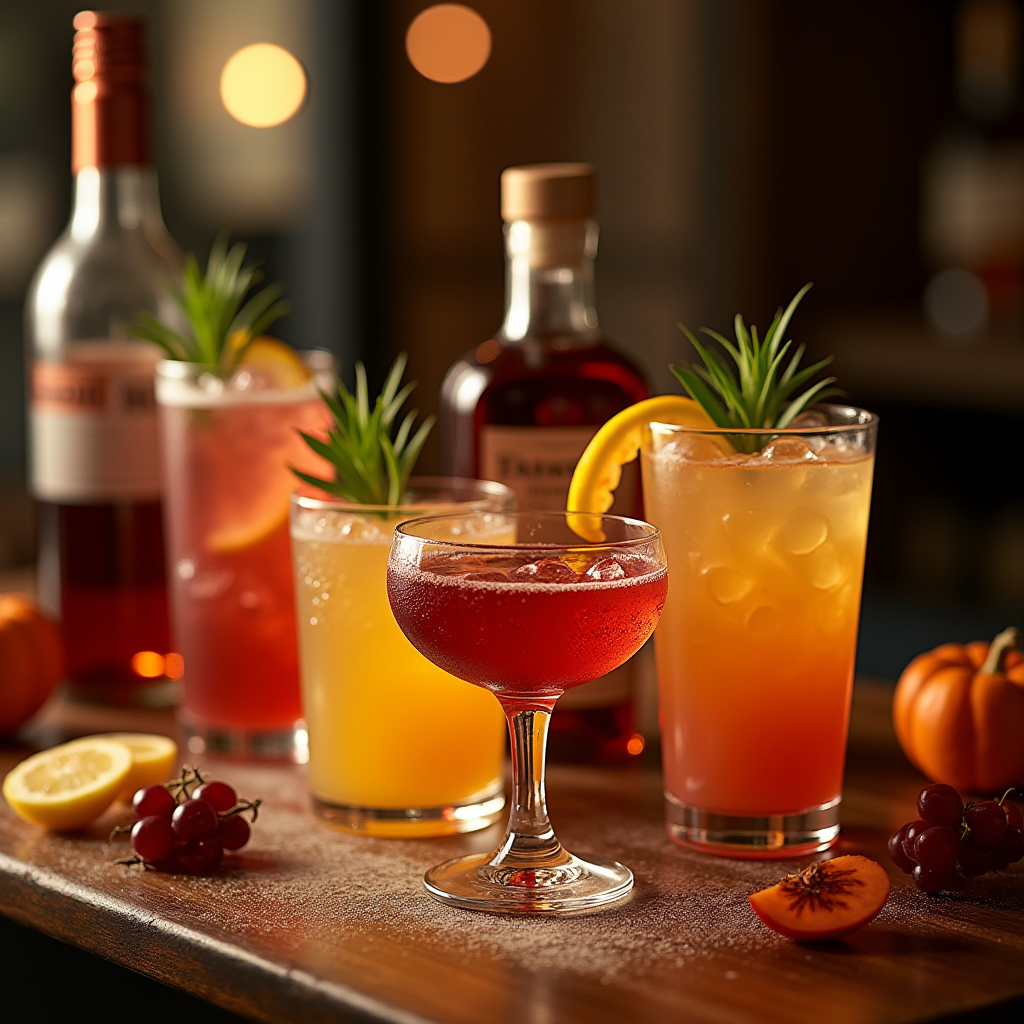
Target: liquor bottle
[
  {"x": 522, "y": 406},
  {"x": 94, "y": 463}
]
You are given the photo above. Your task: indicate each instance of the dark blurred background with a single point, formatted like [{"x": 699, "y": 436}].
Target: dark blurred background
[{"x": 743, "y": 148}]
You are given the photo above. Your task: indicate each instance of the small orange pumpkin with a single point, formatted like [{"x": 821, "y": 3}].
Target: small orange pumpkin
[
  {"x": 31, "y": 660},
  {"x": 959, "y": 714}
]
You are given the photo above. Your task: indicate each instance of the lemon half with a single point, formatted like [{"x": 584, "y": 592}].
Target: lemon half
[
  {"x": 599, "y": 469},
  {"x": 69, "y": 786},
  {"x": 154, "y": 759}
]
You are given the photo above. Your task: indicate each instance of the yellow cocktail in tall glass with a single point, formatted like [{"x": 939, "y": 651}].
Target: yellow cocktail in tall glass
[
  {"x": 377, "y": 711},
  {"x": 757, "y": 640}
]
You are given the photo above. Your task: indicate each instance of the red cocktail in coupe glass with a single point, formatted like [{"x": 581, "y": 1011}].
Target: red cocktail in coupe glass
[{"x": 527, "y": 619}]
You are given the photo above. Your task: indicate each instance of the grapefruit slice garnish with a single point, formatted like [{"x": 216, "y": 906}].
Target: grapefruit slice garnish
[
  {"x": 824, "y": 901},
  {"x": 599, "y": 469},
  {"x": 287, "y": 370},
  {"x": 232, "y": 539}
]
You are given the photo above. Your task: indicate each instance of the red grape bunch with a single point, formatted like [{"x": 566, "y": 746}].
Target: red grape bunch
[
  {"x": 187, "y": 824},
  {"x": 950, "y": 842}
]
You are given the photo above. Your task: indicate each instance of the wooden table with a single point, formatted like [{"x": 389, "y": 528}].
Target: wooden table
[{"x": 310, "y": 924}]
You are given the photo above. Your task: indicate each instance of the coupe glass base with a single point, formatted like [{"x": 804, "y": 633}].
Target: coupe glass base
[
  {"x": 287, "y": 744},
  {"x": 474, "y": 883},
  {"x": 478, "y": 811},
  {"x": 767, "y": 837}
]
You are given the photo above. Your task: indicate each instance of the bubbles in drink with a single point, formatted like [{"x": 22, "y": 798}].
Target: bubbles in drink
[
  {"x": 312, "y": 524},
  {"x": 804, "y": 531},
  {"x": 727, "y": 585}
]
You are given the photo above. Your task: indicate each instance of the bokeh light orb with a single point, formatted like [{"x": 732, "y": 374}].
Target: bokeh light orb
[
  {"x": 262, "y": 85},
  {"x": 448, "y": 43}
]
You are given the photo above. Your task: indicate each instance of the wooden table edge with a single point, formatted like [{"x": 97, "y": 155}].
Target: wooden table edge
[{"x": 234, "y": 979}]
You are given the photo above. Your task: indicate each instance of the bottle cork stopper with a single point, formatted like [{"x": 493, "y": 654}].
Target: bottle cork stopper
[{"x": 547, "y": 192}]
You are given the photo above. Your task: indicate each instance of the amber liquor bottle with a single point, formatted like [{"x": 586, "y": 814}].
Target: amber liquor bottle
[
  {"x": 94, "y": 464},
  {"x": 522, "y": 406}
]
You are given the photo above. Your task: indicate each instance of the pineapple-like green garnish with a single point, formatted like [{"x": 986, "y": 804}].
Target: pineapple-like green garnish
[
  {"x": 372, "y": 461},
  {"x": 220, "y": 325},
  {"x": 759, "y": 394}
]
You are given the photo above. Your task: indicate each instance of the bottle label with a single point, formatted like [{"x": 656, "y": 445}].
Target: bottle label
[
  {"x": 536, "y": 462},
  {"x": 94, "y": 425}
]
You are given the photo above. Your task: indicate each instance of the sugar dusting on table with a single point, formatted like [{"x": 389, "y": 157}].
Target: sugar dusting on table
[{"x": 301, "y": 881}]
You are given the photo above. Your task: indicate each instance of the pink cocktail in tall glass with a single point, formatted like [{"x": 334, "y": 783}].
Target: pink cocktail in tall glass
[
  {"x": 227, "y": 447},
  {"x": 527, "y": 619}
]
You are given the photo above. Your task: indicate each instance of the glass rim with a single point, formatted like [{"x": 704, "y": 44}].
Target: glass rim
[
  {"x": 654, "y": 534},
  {"x": 868, "y": 422},
  {"x": 487, "y": 489},
  {"x": 317, "y": 359}
]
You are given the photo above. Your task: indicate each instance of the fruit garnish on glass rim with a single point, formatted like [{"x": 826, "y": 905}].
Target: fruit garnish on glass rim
[
  {"x": 758, "y": 394},
  {"x": 372, "y": 455},
  {"x": 762, "y": 391},
  {"x": 222, "y": 324}
]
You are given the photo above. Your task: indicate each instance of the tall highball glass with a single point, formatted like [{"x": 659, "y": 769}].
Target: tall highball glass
[
  {"x": 397, "y": 747},
  {"x": 228, "y": 442},
  {"x": 765, "y": 534}
]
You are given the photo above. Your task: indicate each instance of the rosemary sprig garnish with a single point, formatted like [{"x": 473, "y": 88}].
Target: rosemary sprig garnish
[
  {"x": 372, "y": 459},
  {"x": 757, "y": 394},
  {"x": 221, "y": 323}
]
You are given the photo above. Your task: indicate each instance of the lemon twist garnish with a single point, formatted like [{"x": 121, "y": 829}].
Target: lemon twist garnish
[{"x": 599, "y": 469}]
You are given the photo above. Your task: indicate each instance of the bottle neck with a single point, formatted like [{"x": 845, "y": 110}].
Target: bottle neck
[
  {"x": 112, "y": 200},
  {"x": 549, "y": 279}
]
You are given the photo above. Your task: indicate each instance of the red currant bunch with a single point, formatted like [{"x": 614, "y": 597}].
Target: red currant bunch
[
  {"x": 187, "y": 823},
  {"x": 950, "y": 842}
]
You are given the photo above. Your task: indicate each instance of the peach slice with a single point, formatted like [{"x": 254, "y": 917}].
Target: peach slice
[{"x": 826, "y": 900}]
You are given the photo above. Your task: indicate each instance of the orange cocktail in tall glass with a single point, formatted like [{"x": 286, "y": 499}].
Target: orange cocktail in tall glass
[{"x": 756, "y": 644}]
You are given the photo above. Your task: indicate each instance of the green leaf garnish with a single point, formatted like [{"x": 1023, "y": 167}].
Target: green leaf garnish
[
  {"x": 757, "y": 391},
  {"x": 221, "y": 322},
  {"x": 372, "y": 458}
]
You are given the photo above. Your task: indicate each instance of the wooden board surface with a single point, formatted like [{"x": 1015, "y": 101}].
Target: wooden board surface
[{"x": 310, "y": 924}]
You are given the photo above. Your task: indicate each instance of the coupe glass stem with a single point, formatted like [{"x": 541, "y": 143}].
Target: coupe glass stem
[{"x": 530, "y": 854}]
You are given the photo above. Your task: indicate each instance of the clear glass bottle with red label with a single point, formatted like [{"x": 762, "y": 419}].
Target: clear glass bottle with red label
[
  {"x": 522, "y": 406},
  {"x": 94, "y": 466}
]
